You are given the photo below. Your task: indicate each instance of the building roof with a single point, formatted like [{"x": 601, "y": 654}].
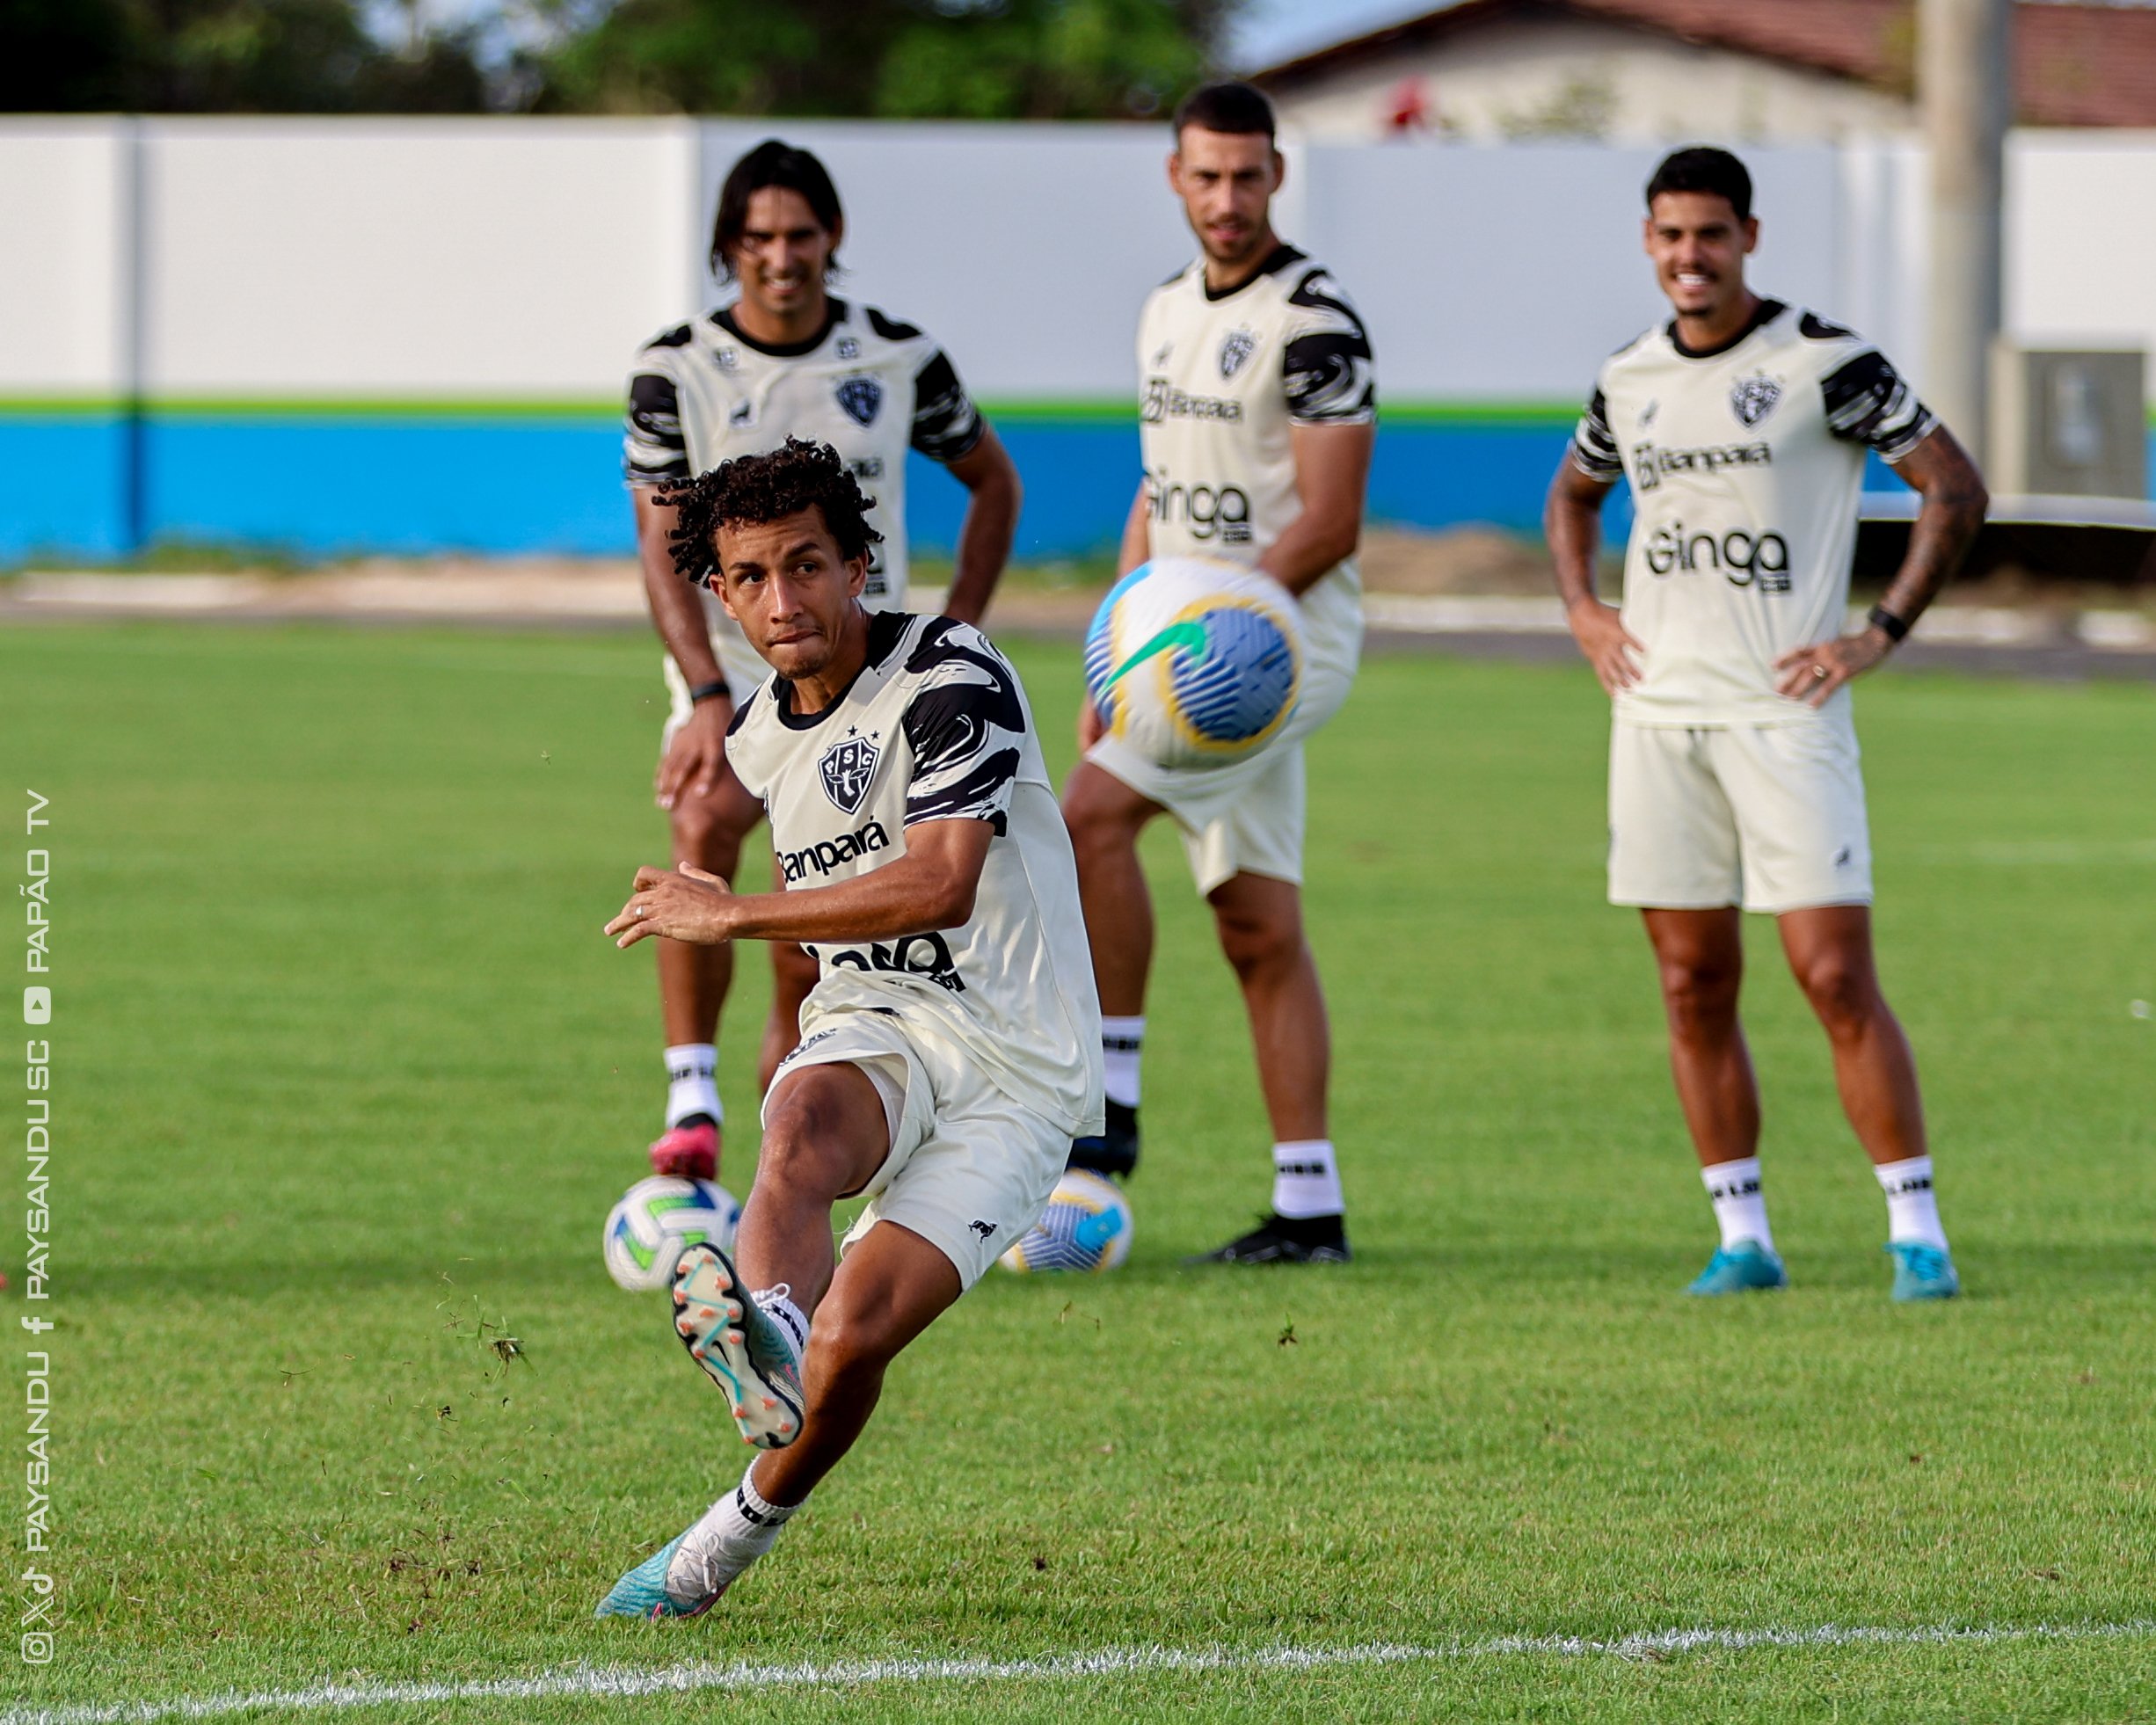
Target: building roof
[{"x": 2073, "y": 65}]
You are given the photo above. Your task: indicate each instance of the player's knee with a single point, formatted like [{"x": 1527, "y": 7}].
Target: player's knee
[
  {"x": 803, "y": 1136},
  {"x": 1842, "y": 992},
  {"x": 1699, "y": 993},
  {"x": 703, "y": 834},
  {"x": 850, "y": 1344},
  {"x": 1100, "y": 813},
  {"x": 1256, "y": 945}
]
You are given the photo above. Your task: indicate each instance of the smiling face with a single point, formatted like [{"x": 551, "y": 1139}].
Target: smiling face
[
  {"x": 1698, "y": 249},
  {"x": 782, "y": 255},
  {"x": 1225, "y": 180},
  {"x": 789, "y": 587}
]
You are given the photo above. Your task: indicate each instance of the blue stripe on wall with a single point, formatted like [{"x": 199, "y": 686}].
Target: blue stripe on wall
[{"x": 344, "y": 485}]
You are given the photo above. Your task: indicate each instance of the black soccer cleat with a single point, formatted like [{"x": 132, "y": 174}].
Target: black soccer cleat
[
  {"x": 1285, "y": 1240},
  {"x": 1114, "y": 1152}
]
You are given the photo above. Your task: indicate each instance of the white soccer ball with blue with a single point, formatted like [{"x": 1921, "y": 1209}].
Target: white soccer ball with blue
[
  {"x": 660, "y": 1218},
  {"x": 1195, "y": 663},
  {"x": 1087, "y": 1227}
]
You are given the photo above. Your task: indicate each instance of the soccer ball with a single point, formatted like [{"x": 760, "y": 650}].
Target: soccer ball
[
  {"x": 1194, "y": 663},
  {"x": 1086, "y": 1227},
  {"x": 657, "y": 1220}
]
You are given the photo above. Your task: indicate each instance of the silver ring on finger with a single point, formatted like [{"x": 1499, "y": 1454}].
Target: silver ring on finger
[{"x": 1818, "y": 670}]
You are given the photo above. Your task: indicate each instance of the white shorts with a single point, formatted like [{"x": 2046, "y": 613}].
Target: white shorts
[
  {"x": 1770, "y": 817},
  {"x": 970, "y": 1169},
  {"x": 1246, "y": 818}
]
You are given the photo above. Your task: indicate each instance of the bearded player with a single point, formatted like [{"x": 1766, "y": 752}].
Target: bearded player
[
  {"x": 1743, "y": 425},
  {"x": 786, "y": 357},
  {"x": 1258, "y": 417},
  {"x": 950, "y": 1047}
]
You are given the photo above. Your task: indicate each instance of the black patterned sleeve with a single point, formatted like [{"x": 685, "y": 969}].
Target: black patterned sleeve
[
  {"x": 946, "y": 424},
  {"x": 1869, "y": 401},
  {"x": 654, "y": 450},
  {"x": 964, "y": 725},
  {"x": 1594, "y": 449},
  {"x": 1328, "y": 370}
]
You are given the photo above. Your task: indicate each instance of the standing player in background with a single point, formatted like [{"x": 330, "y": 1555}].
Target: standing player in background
[
  {"x": 1743, "y": 426},
  {"x": 951, "y": 1046},
  {"x": 786, "y": 357},
  {"x": 1258, "y": 416}
]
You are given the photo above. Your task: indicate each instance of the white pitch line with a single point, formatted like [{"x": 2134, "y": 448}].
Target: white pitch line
[{"x": 628, "y": 1682}]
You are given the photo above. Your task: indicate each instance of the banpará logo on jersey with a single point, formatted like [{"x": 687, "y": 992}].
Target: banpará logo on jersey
[
  {"x": 1235, "y": 349},
  {"x": 926, "y": 956},
  {"x": 846, "y": 768},
  {"x": 1744, "y": 559},
  {"x": 1164, "y": 401},
  {"x": 1208, "y": 514},
  {"x": 825, "y": 855},
  {"x": 861, "y": 397},
  {"x": 1752, "y": 398},
  {"x": 1651, "y": 463}
]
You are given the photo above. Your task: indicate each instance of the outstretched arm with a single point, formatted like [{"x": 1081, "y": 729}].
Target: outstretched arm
[
  {"x": 1939, "y": 469},
  {"x": 1572, "y": 524},
  {"x": 931, "y": 887}
]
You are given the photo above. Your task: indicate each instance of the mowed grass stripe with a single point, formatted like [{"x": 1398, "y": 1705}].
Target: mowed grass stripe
[{"x": 348, "y": 1077}]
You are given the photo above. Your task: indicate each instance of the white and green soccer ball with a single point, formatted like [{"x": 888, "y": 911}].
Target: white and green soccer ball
[
  {"x": 1195, "y": 663},
  {"x": 1086, "y": 1228},
  {"x": 660, "y": 1218}
]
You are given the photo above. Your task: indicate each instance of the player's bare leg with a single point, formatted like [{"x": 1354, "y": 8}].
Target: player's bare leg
[
  {"x": 1105, "y": 816},
  {"x": 1830, "y": 950},
  {"x": 793, "y": 973},
  {"x": 693, "y": 981},
  {"x": 1259, "y": 921},
  {"x": 1701, "y": 956}
]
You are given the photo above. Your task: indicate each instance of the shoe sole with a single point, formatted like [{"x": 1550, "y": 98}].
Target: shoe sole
[{"x": 713, "y": 1313}]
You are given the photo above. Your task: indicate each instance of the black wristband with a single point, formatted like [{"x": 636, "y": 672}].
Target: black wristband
[
  {"x": 710, "y": 691},
  {"x": 1885, "y": 621}
]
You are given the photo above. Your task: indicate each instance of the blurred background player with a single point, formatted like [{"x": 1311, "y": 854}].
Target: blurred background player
[
  {"x": 950, "y": 1048},
  {"x": 1743, "y": 426},
  {"x": 1258, "y": 416},
  {"x": 786, "y": 357}
]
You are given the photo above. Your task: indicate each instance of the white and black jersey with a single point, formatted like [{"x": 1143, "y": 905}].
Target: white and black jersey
[
  {"x": 870, "y": 386},
  {"x": 1746, "y": 464},
  {"x": 1228, "y": 376},
  {"x": 937, "y": 727}
]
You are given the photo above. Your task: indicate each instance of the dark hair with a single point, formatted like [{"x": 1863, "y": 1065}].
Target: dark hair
[
  {"x": 772, "y": 163},
  {"x": 1234, "y": 108},
  {"x": 757, "y": 489},
  {"x": 1703, "y": 168}
]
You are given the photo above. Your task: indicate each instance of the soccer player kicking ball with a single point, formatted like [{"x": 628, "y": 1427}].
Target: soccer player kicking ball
[
  {"x": 1743, "y": 426},
  {"x": 786, "y": 359},
  {"x": 950, "y": 1047},
  {"x": 1259, "y": 413}
]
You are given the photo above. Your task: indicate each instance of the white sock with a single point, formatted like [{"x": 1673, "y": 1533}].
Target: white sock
[
  {"x": 1740, "y": 1202},
  {"x": 691, "y": 1086},
  {"x": 777, "y": 1302},
  {"x": 731, "y": 1535},
  {"x": 1912, "y": 1207},
  {"x": 1120, "y": 1041},
  {"x": 1306, "y": 1180}
]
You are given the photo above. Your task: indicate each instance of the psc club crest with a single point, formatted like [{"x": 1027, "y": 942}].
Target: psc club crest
[
  {"x": 1235, "y": 350},
  {"x": 847, "y": 769},
  {"x": 861, "y": 397},
  {"x": 1752, "y": 398}
]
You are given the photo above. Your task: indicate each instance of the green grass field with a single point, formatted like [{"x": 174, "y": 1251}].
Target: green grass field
[{"x": 347, "y": 1076}]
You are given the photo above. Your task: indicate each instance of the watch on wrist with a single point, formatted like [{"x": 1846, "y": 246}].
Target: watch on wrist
[{"x": 1887, "y": 623}]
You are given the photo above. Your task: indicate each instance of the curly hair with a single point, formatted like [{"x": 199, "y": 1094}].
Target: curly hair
[{"x": 758, "y": 489}]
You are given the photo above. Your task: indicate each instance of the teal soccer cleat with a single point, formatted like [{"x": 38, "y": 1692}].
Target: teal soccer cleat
[
  {"x": 1746, "y": 1267},
  {"x": 1922, "y": 1271},
  {"x": 685, "y": 1577},
  {"x": 641, "y": 1592},
  {"x": 747, "y": 1354}
]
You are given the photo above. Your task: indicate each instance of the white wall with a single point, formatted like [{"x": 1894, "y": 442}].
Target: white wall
[
  {"x": 503, "y": 259},
  {"x": 62, "y": 217},
  {"x": 404, "y": 257}
]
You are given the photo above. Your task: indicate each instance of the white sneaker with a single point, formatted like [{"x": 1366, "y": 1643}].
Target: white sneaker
[{"x": 746, "y": 1353}]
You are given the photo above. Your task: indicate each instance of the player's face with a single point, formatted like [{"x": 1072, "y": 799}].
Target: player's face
[
  {"x": 1698, "y": 249},
  {"x": 784, "y": 253},
  {"x": 786, "y": 585},
  {"x": 1225, "y": 180}
]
